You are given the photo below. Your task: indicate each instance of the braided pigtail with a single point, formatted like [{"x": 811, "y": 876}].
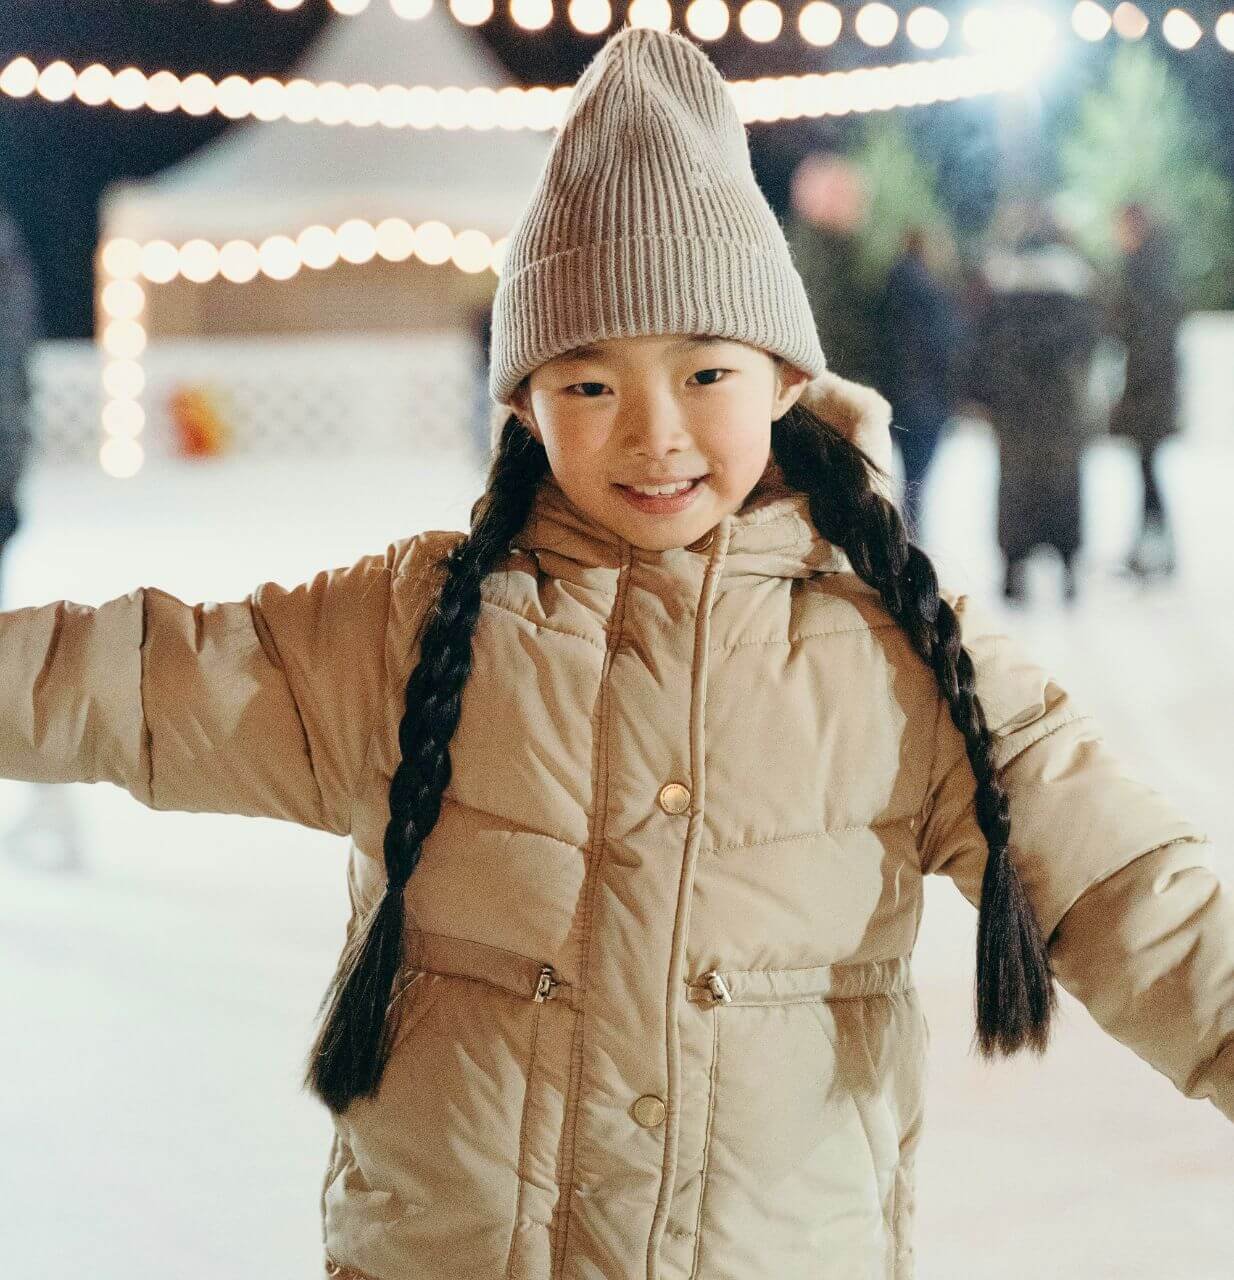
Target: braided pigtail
[
  {"x": 1015, "y": 995},
  {"x": 353, "y": 1044}
]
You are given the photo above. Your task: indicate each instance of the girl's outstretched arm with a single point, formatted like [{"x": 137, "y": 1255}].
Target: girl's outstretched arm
[
  {"x": 262, "y": 706},
  {"x": 1139, "y": 919}
]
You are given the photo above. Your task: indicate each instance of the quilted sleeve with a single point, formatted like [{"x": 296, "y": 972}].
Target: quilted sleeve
[
  {"x": 1139, "y": 921},
  {"x": 262, "y": 706}
]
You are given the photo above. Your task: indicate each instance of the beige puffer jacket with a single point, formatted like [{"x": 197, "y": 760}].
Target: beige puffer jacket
[{"x": 660, "y": 1022}]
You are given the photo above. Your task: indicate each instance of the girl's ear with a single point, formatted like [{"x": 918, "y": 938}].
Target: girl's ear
[
  {"x": 790, "y": 383},
  {"x": 520, "y": 404}
]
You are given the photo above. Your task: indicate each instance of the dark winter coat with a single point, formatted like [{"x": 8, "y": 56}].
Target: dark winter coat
[
  {"x": 1145, "y": 314},
  {"x": 918, "y": 336},
  {"x": 18, "y": 328},
  {"x": 1030, "y": 363}
]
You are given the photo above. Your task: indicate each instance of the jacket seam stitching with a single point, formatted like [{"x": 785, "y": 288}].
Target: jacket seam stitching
[
  {"x": 278, "y": 663},
  {"x": 540, "y": 626},
  {"x": 905, "y": 821},
  {"x": 379, "y": 716},
  {"x": 594, "y": 856},
  {"x": 1071, "y": 717},
  {"x": 806, "y": 635},
  {"x": 711, "y": 1111},
  {"x": 521, "y": 1170},
  {"x": 514, "y": 822}
]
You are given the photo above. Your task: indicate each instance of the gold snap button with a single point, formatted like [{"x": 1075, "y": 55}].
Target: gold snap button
[
  {"x": 703, "y": 543},
  {"x": 649, "y": 1111},
  {"x": 674, "y": 798}
]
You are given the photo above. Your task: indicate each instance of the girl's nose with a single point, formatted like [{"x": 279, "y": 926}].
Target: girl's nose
[{"x": 656, "y": 432}]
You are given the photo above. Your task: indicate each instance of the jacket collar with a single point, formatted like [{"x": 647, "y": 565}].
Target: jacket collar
[{"x": 770, "y": 536}]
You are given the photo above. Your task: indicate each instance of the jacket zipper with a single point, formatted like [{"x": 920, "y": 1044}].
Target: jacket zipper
[
  {"x": 715, "y": 984},
  {"x": 546, "y": 984}
]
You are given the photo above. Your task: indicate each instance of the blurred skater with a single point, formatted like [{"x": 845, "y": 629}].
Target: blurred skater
[
  {"x": 1029, "y": 367},
  {"x": 1145, "y": 314},
  {"x": 47, "y": 834},
  {"x": 919, "y": 335}
]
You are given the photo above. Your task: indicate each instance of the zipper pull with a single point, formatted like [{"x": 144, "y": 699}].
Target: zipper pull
[
  {"x": 545, "y": 984},
  {"x": 718, "y": 988}
]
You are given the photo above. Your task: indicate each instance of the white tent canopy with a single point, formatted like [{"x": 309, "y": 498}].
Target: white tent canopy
[{"x": 260, "y": 179}]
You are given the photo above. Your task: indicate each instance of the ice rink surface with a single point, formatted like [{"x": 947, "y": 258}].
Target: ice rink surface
[{"x": 158, "y": 1005}]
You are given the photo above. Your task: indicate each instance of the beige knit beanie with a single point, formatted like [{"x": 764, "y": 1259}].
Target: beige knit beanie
[{"x": 647, "y": 220}]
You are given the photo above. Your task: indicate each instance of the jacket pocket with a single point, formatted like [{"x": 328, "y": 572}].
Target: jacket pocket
[{"x": 814, "y": 1071}]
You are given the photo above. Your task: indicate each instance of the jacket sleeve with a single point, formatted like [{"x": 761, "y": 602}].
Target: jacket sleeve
[
  {"x": 262, "y": 706},
  {"x": 1138, "y": 917}
]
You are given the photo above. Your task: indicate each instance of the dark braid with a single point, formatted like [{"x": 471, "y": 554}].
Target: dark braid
[
  {"x": 353, "y": 1045},
  {"x": 1015, "y": 994}
]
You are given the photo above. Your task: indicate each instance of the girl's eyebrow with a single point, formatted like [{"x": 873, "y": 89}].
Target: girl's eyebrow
[{"x": 591, "y": 349}]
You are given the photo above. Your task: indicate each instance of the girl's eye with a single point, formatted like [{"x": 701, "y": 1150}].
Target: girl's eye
[{"x": 576, "y": 386}]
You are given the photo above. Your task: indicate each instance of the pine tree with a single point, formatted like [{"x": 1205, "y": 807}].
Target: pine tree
[
  {"x": 1138, "y": 138},
  {"x": 903, "y": 191}
]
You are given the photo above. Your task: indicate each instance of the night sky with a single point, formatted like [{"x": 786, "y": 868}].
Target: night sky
[{"x": 55, "y": 160}]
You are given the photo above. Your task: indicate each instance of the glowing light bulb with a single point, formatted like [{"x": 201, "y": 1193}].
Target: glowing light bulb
[
  {"x": 472, "y": 252},
  {"x": 1181, "y": 29},
  {"x": 532, "y": 15},
  {"x": 357, "y": 241},
  {"x": 760, "y": 20},
  {"x": 396, "y": 239},
  {"x": 318, "y": 247},
  {"x": 434, "y": 241},
  {"x": 820, "y": 23},
  {"x": 590, "y": 16},
  {"x": 160, "y": 261},
  {"x": 655, "y": 14},
  {"x": 121, "y": 258},
  {"x": 199, "y": 261},
  {"x": 1090, "y": 21},
  {"x": 707, "y": 19},
  {"x": 877, "y": 24},
  {"x": 238, "y": 261},
  {"x": 927, "y": 28},
  {"x": 121, "y": 458},
  {"x": 57, "y": 82},
  {"x": 19, "y": 78},
  {"x": 1130, "y": 21},
  {"x": 279, "y": 257},
  {"x": 123, "y": 299}
]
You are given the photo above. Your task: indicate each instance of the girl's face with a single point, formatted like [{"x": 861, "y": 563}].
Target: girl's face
[{"x": 651, "y": 412}]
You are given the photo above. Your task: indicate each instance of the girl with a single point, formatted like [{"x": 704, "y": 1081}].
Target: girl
[{"x": 642, "y": 775}]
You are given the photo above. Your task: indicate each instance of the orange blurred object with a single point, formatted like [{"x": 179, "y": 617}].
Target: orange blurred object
[{"x": 201, "y": 431}]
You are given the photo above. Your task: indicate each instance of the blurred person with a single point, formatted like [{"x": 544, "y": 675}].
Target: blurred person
[
  {"x": 919, "y": 336},
  {"x": 1029, "y": 368},
  {"x": 1145, "y": 314},
  {"x": 830, "y": 205},
  {"x": 644, "y": 772},
  {"x": 47, "y": 833}
]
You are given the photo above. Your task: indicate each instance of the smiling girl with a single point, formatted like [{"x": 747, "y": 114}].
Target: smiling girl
[{"x": 643, "y": 775}]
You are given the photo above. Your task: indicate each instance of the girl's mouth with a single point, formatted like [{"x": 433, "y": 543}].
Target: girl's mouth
[{"x": 661, "y": 504}]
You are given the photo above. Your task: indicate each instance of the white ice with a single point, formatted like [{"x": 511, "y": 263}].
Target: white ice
[{"x": 156, "y": 1008}]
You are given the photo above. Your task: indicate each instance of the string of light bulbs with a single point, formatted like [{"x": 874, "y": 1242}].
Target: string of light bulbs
[
  {"x": 876, "y": 24},
  {"x": 767, "y": 99}
]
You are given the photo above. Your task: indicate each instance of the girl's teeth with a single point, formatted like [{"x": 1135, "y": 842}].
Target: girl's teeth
[{"x": 652, "y": 491}]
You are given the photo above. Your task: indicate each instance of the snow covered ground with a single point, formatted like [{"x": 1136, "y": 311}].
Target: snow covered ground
[{"x": 157, "y": 1006}]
